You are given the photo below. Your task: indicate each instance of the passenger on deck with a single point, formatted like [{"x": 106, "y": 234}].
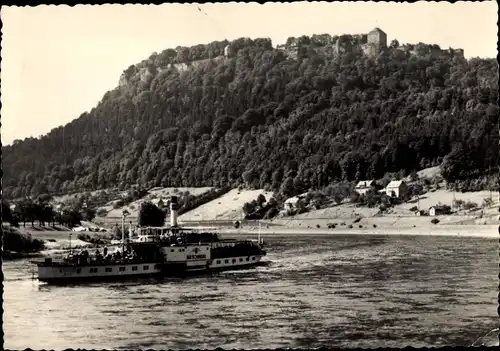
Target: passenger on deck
[
  {"x": 105, "y": 253},
  {"x": 98, "y": 255}
]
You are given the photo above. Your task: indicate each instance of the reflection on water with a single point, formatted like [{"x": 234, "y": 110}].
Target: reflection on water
[{"x": 336, "y": 291}]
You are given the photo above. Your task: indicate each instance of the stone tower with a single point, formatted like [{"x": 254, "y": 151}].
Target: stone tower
[{"x": 378, "y": 39}]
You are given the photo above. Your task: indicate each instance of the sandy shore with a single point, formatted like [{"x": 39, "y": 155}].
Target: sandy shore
[
  {"x": 251, "y": 231},
  {"x": 482, "y": 231}
]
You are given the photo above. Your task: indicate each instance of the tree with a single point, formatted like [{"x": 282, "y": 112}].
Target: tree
[
  {"x": 487, "y": 202},
  {"x": 249, "y": 207},
  {"x": 287, "y": 187},
  {"x": 150, "y": 215},
  {"x": 394, "y": 43},
  {"x": 347, "y": 118},
  {"x": 8, "y": 215},
  {"x": 261, "y": 200},
  {"x": 89, "y": 214}
]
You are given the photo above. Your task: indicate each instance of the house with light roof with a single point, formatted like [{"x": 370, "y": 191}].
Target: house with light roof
[
  {"x": 363, "y": 186},
  {"x": 396, "y": 188}
]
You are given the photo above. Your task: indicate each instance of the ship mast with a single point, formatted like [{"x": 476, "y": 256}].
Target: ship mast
[
  {"x": 124, "y": 215},
  {"x": 259, "y": 233},
  {"x": 123, "y": 230}
]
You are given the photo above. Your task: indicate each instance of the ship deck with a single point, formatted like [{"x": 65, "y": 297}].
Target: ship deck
[{"x": 92, "y": 263}]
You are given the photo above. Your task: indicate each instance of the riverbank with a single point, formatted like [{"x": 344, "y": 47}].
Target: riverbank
[{"x": 482, "y": 231}]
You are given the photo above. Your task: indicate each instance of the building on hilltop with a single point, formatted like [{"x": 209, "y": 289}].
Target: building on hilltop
[
  {"x": 378, "y": 38},
  {"x": 376, "y": 42}
]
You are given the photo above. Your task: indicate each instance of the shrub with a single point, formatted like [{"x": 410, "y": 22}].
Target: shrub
[
  {"x": 374, "y": 226},
  {"x": 349, "y": 226},
  {"x": 435, "y": 221},
  {"x": 273, "y": 212},
  {"x": 13, "y": 240},
  {"x": 487, "y": 202},
  {"x": 118, "y": 204},
  {"x": 356, "y": 220},
  {"x": 102, "y": 212},
  {"x": 318, "y": 226},
  {"x": 469, "y": 205}
]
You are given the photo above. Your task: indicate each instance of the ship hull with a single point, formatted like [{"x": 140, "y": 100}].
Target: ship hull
[
  {"x": 60, "y": 272},
  {"x": 65, "y": 274},
  {"x": 90, "y": 279},
  {"x": 214, "y": 266}
]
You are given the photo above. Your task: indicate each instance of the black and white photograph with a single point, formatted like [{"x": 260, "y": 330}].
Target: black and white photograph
[{"x": 250, "y": 175}]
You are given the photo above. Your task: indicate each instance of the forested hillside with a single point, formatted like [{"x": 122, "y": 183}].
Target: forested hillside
[{"x": 261, "y": 119}]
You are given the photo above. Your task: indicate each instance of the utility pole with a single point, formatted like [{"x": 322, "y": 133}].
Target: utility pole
[{"x": 70, "y": 243}]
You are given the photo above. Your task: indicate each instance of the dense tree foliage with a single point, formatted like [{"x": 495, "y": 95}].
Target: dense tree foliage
[
  {"x": 13, "y": 240},
  {"x": 151, "y": 216},
  {"x": 260, "y": 119},
  {"x": 41, "y": 211}
]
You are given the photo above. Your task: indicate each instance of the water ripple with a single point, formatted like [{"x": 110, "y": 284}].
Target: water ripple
[{"x": 320, "y": 291}]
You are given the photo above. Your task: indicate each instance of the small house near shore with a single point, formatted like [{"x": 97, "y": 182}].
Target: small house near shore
[
  {"x": 438, "y": 210},
  {"x": 363, "y": 186},
  {"x": 291, "y": 203},
  {"x": 396, "y": 188}
]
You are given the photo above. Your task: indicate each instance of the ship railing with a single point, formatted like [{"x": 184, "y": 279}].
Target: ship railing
[{"x": 103, "y": 261}]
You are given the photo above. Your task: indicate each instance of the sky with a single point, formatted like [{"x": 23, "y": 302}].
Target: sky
[{"x": 59, "y": 61}]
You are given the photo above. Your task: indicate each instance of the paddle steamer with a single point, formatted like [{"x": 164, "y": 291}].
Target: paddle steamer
[{"x": 157, "y": 252}]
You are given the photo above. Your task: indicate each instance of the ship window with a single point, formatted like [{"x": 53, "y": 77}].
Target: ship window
[
  {"x": 241, "y": 260},
  {"x": 234, "y": 260},
  {"x": 146, "y": 268},
  {"x": 122, "y": 269},
  {"x": 226, "y": 261},
  {"x": 218, "y": 261},
  {"x": 172, "y": 250},
  {"x": 248, "y": 258},
  {"x": 253, "y": 258},
  {"x": 93, "y": 270},
  {"x": 134, "y": 268},
  {"x": 78, "y": 270},
  {"x": 60, "y": 270},
  {"x": 109, "y": 269}
]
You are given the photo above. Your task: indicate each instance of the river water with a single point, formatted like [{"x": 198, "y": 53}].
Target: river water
[{"x": 333, "y": 291}]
